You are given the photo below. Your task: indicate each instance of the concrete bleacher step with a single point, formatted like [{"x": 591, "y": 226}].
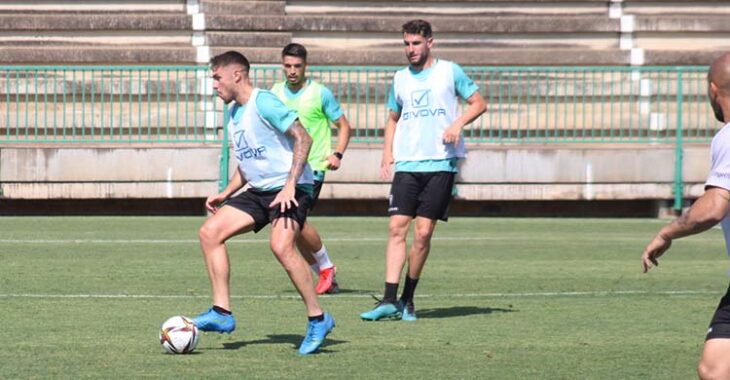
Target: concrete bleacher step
[
  {"x": 97, "y": 36},
  {"x": 243, "y": 7},
  {"x": 699, "y": 57},
  {"x": 234, "y": 38},
  {"x": 676, "y": 7},
  {"x": 95, "y": 5},
  {"x": 412, "y": 9},
  {"x": 682, "y": 23},
  {"x": 388, "y": 23},
  {"x": 466, "y": 56},
  {"x": 85, "y": 54},
  {"x": 57, "y": 21},
  {"x": 471, "y": 40}
]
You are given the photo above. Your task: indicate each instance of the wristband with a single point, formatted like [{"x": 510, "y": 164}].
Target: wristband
[{"x": 338, "y": 155}]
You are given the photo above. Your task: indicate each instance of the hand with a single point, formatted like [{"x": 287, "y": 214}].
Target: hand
[
  {"x": 452, "y": 135},
  {"x": 333, "y": 163},
  {"x": 213, "y": 201},
  {"x": 385, "y": 166},
  {"x": 653, "y": 251},
  {"x": 285, "y": 199}
]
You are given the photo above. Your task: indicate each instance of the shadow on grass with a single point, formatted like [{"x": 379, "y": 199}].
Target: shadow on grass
[
  {"x": 459, "y": 311},
  {"x": 341, "y": 291},
  {"x": 293, "y": 340}
]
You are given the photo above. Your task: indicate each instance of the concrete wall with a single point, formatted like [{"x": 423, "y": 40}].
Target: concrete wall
[{"x": 530, "y": 172}]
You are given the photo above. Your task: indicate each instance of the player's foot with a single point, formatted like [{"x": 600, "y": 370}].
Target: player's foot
[
  {"x": 383, "y": 309},
  {"x": 335, "y": 288},
  {"x": 327, "y": 283},
  {"x": 212, "y": 320},
  {"x": 409, "y": 311},
  {"x": 316, "y": 332}
]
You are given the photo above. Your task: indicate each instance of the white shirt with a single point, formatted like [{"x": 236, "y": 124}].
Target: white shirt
[{"x": 720, "y": 172}]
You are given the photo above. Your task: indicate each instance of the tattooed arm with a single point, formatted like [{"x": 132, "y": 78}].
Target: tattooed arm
[
  {"x": 302, "y": 144},
  {"x": 707, "y": 211}
]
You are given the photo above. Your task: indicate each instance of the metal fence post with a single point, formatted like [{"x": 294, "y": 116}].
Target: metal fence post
[{"x": 679, "y": 148}]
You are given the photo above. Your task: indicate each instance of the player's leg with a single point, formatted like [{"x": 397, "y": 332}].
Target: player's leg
[
  {"x": 306, "y": 250},
  {"x": 435, "y": 199},
  {"x": 284, "y": 233},
  {"x": 283, "y": 236},
  {"x": 421, "y": 246},
  {"x": 417, "y": 256},
  {"x": 313, "y": 250},
  {"x": 214, "y": 232},
  {"x": 715, "y": 362},
  {"x": 395, "y": 259},
  {"x": 402, "y": 206}
]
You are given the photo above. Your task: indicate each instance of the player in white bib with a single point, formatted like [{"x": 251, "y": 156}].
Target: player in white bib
[
  {"x": 271, "y": 147},
  {"x": 423, "y": 138},
  {"x": 708, "y": 210}
]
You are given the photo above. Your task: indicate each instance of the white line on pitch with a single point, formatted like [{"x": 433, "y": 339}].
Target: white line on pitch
[
  {"x": 602, "y": 293},
  {"x": 348, "y": 239}
]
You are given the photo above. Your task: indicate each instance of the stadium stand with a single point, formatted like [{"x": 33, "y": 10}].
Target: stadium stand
[
  {"x": 545, "y": 67},
  {"x": 474, "y": 32},
  {"x": 95, "y": 32}
]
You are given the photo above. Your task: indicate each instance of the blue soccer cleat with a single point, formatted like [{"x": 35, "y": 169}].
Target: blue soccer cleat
[
  {"x": 316, "y": 332},
  {"x": 409, "y": 311},
  {"x": 382, "y": 310},
  {"x": 212, "y": 320}
]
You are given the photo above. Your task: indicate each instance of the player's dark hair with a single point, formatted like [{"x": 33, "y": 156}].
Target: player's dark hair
[
  {"x": 294, "y": 50},
  {"x": 420, "y": 27},
  {"x": 230, "y": 58}
]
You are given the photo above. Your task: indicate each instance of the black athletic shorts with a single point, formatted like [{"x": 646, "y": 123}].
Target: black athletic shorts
[
  {"x": 720, "y": 325},
  {"x": 316, "y": 189},
  {"x": 425, "y": 194},
  {"x": 256, "y": 203}
]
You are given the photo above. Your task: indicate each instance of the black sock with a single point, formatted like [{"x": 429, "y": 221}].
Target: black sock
[
  {"x": 391, "y": 292},
  {"x": 221, "y": 310},
  {"x": 408, "y": 289},
  {"x": 318, "y": 318}
]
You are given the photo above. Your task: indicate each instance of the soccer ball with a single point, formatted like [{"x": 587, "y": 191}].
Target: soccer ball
[{"x": 179, "y": 335}]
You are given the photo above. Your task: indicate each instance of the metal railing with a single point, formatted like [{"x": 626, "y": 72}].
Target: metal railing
[
  {"x": 105, "y": 104},
  {"x": 538, "y": 105},
  {"x": 526, "y": 104}
]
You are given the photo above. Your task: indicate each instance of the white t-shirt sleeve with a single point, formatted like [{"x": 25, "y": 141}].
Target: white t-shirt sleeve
[{"x": 720, "y": 171}]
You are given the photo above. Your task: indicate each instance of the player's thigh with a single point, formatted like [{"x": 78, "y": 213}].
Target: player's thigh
[
  {"x": 404, "y": 193},
  {"x": 436, "y": 196},
  {"x": 227, "y": 222},
  {"x": 284, "y": 232},
  {"x": 285, "y": 226},
  {"x": 715, "y": 362}
]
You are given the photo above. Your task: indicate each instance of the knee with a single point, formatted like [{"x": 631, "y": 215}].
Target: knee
[
  {"x": 208, "y": 234},
  {"x": 397, "y": 232},
  {"x": 282, "y": 250},
  {"x": 422, "y": 235},
  {"x": 708, "y": 370}
]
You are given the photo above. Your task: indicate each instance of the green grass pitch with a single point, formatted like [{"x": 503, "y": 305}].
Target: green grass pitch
[{"x": 83, "y": 298}]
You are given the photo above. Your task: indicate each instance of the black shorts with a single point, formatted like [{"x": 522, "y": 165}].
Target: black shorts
[
  {"x": 425, "y": 194},
  {"x": 720, "y": 324},
  {"x": 315, "y": 193},
  {"x": 256, "y": 203}
]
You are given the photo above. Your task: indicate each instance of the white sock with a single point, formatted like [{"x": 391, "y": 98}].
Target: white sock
[
  {"x": 315, "y": 268},
  {"x": 323, "y": 260}
]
